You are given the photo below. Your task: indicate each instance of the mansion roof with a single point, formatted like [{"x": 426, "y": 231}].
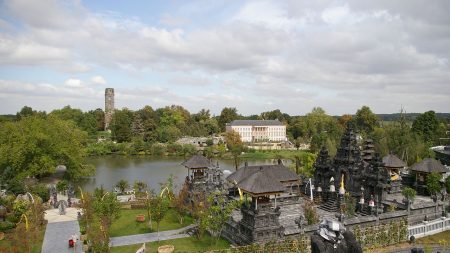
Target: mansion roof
[
  {"x": 197, "y": 162},
  {"x": 255, "y": 123},
  {"x": 429, "y": 165}
]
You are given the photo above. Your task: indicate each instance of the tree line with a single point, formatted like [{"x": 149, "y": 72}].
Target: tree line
[{"x": 33, "y": 143}]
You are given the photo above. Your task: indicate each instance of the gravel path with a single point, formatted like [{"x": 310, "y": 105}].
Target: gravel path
[{"x": 150, "y": 237}]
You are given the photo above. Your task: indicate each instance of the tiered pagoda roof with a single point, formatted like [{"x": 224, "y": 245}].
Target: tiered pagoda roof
[
  {"x": 348, "y": 152},
  {"x": 368, "y": 150},
  {"x": 197, "y": 162}
]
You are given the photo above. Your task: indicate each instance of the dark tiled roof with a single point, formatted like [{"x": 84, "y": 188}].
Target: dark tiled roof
[
  {"x": 429, "y": 165},
  {"x": 197, "y": 162},
  {"x": 255, "y": 123},
  {"x": 277, "y": 171},
  {"x": 392, "y": 161},
  {"x": 259, "y": 183}
]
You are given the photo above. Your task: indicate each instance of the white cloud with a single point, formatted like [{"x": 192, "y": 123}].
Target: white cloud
[
  {"x": 74, "y": 83},
  {"x": 98, "y": 80},
  {"x": 315, "y": 51}
]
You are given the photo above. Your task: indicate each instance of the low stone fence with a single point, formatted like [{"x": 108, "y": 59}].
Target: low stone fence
[
  {"x": 300, "y": 244},
  {"x": 369, "y": 237},
  {"x": 381, "y": 235},
  {"x": 429, "y": 227}
]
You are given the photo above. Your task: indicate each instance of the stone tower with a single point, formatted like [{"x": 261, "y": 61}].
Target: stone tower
[{"x": 109, "y": 106}]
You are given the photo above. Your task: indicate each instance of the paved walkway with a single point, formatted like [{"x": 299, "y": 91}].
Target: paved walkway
[
  {"x": 150, "y": 237},
  {"x": 59, "y": 229},
  {"x": 57, "y": 234}
]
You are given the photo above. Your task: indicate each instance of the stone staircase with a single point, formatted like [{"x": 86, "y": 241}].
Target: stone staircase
[{"x": 332, "y": 205}]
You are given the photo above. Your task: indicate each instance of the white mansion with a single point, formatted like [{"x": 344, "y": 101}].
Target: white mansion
[{"x": 258, "y": 130}]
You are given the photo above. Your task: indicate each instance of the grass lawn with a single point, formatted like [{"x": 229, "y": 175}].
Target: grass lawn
[
  {"x": 127, "y": 224},
  {"x": 424, "y": 241},
  {"x": 7, "y": 246},
  {"x": 434, "y": 239},
  {"x": 182, "y": 245}
]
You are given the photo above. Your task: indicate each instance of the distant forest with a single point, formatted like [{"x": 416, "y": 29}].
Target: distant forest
[{"x": 382, "y": 116}]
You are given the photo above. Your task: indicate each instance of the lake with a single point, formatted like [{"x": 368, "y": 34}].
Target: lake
[{"x": 152, "y": 170}]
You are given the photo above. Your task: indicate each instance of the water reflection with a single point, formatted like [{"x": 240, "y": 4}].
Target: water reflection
[{"x": 152, "y": 170}]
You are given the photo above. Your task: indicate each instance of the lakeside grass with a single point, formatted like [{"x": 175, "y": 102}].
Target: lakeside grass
[
  {"x": 127, "y": 224},
  {"x": 182, "y": 245}
]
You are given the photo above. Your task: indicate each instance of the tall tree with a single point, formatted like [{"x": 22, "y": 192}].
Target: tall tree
[
  {"x": 227, "y": 115},
  {"x": 26, "y": 111},
  {"x": 121, "y": 125},
  {"x": 365, "y": 120},
  {"x": 235, "y": 145},
  {"x": 433, "y": 184},
  {"x": 426, "y": 125},
  {"x": 34, "y": 146}
]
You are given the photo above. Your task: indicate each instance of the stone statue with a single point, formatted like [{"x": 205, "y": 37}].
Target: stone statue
[
  {"x": 332, "y": 237},
  {"x": 62, "y": 205}
]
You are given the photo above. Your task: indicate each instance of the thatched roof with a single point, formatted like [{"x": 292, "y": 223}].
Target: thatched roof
[
  {"x": 260, "y": 183},
  {"x": 197, "y": 162},
  {"x": 279, "y": 172},
  {"x": 392, "y": 161},
  {"x": 429, "y": 165}
]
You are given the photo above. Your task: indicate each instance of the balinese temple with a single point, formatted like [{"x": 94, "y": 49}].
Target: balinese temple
[
  {"x": 394, "y": 166},
  {"x": 259, "y": 219},
  {"x": 422, "y": 169},
  {"x": 360, "y": 174},
  {"x": 324, "y": 175},
  {"x": 202, "y": 177},
  {"x": 348, "y": 164}
]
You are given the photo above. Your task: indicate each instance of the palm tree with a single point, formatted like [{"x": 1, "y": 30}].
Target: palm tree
[{"x": 122, "y": 185}]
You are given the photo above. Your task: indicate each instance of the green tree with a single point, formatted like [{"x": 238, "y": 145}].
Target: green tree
[
  {"x": 235, "y": 145},
  {"x": 447, "y": 184},
  {"x": 26, "y": 111},
  {"x": 107, "y": 209},
  {"x": 34, "y": 146},
  {"x": 433, "y": 184},
  {"x": 179, "y": 203},
  {"x": 168, "y": 133},
  {"x": 121, "y": 125},
  {"x": 365, "y": 120},
  {"x": 140, "y": 186},
  {"x": 159, "y": 207},
  {"x": 426, "y": 125},
  {"x": 227, "y": 115},
  {"x": 410, "y": 195},
  {"x": 122, "y": 185},
  {"x": 218, "y": 213}
]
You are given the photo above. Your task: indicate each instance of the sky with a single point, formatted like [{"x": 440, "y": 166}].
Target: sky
[{"x": 253, "y": 55}]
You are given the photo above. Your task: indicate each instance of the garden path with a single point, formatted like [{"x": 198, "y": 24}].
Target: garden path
[
  {"x": 151, "y": 237},
  {"x": 57, "y": 234}
]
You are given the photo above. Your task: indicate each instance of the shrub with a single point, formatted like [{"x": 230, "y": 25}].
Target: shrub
[
  {"x": 158, "y": 149},
  {"x": 310, "y": 213},
  {"x": 6, "y": 225},
  {"x": 62, "y": 185},
  {"x": 42, "y": 191}
]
